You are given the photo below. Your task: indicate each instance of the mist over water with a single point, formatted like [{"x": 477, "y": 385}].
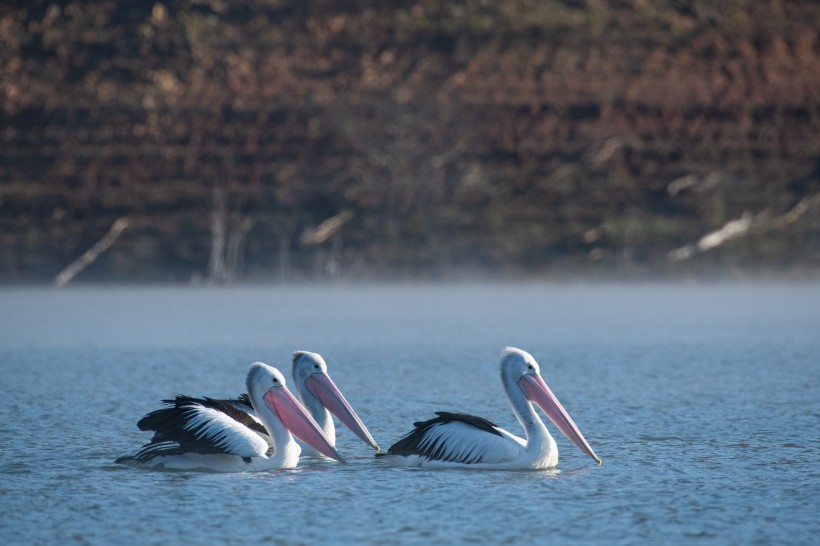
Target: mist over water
[{"x": 700, "y": 399}]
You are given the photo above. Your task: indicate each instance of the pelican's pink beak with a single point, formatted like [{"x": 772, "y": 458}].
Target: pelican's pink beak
[
  {"x": 537, "y": 392},
  {"x": 323, "y": 388},
  {"x": 298, "y": 421}
]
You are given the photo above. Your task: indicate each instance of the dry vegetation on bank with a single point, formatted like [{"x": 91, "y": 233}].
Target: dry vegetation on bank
[{"x": 556, "y": 137}]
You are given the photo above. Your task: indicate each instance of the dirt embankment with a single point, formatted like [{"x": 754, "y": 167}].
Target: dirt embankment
[{"x": 526, "y": 137}]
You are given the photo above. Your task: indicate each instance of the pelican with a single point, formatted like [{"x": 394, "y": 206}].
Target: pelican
[
  {"x": 318, "y": 394},
  {"x": 458, "y": 440},
  {"x": 203, "y": 433}
]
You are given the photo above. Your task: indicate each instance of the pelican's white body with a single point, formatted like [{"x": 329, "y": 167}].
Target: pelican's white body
[
  {"x": 508, "y": 452},
  {"x": 287, "y": 458}
]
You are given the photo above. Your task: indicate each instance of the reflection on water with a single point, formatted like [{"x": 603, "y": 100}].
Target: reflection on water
[{"x": 701, "y": 401}]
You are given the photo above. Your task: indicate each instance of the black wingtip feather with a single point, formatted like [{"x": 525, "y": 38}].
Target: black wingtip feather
[
  {"x": 172, "y": 437},
  {"x": 411, "y": 443}
]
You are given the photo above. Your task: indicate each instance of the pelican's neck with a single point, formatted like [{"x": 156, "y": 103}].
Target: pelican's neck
[
  {"x": 540, "y": 443},
  {"x": 318, "y": 411},
  {"x": 285, "y": 449}
]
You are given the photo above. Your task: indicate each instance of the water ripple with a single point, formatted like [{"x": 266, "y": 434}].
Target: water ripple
[{"x": 665, "y": 385}]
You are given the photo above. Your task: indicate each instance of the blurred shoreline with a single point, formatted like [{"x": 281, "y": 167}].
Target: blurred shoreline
[{"x": 255, "y": 141}]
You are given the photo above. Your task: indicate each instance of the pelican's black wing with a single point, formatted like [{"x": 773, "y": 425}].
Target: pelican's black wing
[
  {"x": 201, "y": 425},
  {"x": 457, "y": 438}
]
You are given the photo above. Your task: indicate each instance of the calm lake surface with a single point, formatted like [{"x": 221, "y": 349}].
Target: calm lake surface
[{"x": 702, "y": 401}]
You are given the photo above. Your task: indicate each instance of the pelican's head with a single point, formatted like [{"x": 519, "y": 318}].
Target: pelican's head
[
  {"x": 306, "y": 364},
  {"x": 261, "y": 378},
  {"x": 516, "y": 363},
  {"x": 269, "y": 395},
  {"x": 520, "y": 368},
  {"x": 310, "y": 374}
]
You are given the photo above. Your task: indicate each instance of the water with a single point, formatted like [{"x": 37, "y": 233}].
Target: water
[{"x": 702, "y": 401}]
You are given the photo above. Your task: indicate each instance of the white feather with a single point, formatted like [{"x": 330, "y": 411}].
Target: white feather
[
  {"x": 225, "y": 433},
  {"x": 464, "y": 443}
]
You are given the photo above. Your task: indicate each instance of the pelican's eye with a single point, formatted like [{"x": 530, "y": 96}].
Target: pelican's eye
[
  {"x": 530, "y": 367},
  {"x": 317, "y": 367}
]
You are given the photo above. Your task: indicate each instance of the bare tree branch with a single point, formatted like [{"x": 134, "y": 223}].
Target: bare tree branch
[
  {"x": 745, "y": 225},
  {"x": 91, "y": 254}
]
